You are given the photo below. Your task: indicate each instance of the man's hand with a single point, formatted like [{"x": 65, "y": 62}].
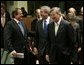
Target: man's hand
[
  {"x": 79, "y": 49},
  {"x": 47, "y": 58},
  {"x": 2, "y": 49},
  {"x": 71, "y": 63},
  {"x": 35, "y": 51},
  {"x": 13, "y": 54}
]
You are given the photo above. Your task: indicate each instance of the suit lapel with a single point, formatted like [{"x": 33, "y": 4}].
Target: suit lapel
[
  {"x": 60, "y": 28},
  {"x": 24, "y": 28},
  {"x": 41, "y": 26},
  {"x": 17, "y": 27},
  {"x": 53, "y": 29}
]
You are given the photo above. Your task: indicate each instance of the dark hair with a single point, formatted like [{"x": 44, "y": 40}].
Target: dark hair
[
  {"x": 15, "y": 12},
  {"x": 3, "y": 5},
  {"x": 22, "y": 8}
]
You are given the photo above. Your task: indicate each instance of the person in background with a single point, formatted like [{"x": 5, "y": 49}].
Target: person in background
[
  {"x": 80, "y": 49},
  {"x": 5, "y": 17},
  {"x": 75, "y": 25},
  {"x": 33, "y": 29},
  {"x": 72, "y": 10},
  {"x": 24, "y": 12},
  {"x": 38, "y": 17}
]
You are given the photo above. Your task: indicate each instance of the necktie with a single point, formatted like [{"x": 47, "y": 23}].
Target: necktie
[
  {"x": 45, "y": 27},
  {"x": 21, "y": 27}
]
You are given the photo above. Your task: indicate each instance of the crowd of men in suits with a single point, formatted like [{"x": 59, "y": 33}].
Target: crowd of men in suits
[{"x": 56, "y": 39}]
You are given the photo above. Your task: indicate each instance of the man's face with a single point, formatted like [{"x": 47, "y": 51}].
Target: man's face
[
  {"x": 38, "y": 13},
  {"x": 44, "y": 14},
  {"x": 2, "y": 10},
  {"x": 19, "y": 15},
  {"x": 54, "y": 16}
]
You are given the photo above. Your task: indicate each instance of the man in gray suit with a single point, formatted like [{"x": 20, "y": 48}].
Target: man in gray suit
[{"x": 41, "y": 34}]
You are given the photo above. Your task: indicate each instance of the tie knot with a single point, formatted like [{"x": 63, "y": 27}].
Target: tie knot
[
  {"x": 19, "y": 22},
  {"x": 21, "y": 27}
]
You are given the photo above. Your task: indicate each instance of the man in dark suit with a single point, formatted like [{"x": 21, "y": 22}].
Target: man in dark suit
[
  {"x": 33, "y": 29},
  {"x": 5, "y": 17},
  {"x": 80, "y": 46},
  {"x": 60, "y": 39},
  {"x": 41, "y": 34},
  {"x": 38, "y": 17},
  {"x": 16, "y": 37}
]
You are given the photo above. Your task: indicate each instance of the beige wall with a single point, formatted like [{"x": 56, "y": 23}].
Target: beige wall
[{"x": 11, "y": 5}]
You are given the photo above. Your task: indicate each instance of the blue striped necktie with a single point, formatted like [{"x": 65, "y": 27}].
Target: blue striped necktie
[
  {"x": 21, "y": 27},
  {"x": 45, "y": 27}
]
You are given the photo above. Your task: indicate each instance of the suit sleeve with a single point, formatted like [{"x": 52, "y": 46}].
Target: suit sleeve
[
  {"x": 72, "y": 42},
  {"x": 48, "y": 42},
  {"x": 30, "y": 33},
  {"x": 8, "y": 37},
  {"x": 36, "y": 37}
]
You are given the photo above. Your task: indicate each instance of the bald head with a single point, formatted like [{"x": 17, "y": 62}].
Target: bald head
[
  {"x": 72, "y": 10},
  {"x": 37, "y": 10},
  {"x": 81, "y": 10},
  {"x": 38, "y": 13}
]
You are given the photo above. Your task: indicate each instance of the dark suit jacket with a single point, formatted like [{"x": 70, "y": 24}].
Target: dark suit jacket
[
  {"x": 13, "y": 37},
  {"x": 41, "y": 37},
  {"x": 80, "y": 22},
  {"x": 33, "y": 25},
  {"x": 63, "y": 42},
  {"x": 8, "y": 18},
  {"x": 2, "y": 29}
]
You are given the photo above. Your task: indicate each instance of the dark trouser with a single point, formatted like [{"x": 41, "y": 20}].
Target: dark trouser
[
  {"x": 30, "y": 58},
  {"x": 60, "y": 58},
  {"x": 19, "y": 61},
  {"x": 42, "y": 60}
]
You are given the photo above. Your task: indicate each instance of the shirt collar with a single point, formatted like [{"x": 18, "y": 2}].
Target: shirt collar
[
  {"x": 17, "y": 21},
  {"x": 39, "y": 19},
  {"x": 47, "y": 20}
]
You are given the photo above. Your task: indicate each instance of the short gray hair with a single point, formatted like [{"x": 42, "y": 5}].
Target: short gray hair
[
  {"x": 57, "y": 10},
  {"x": 46, "y": 8}
]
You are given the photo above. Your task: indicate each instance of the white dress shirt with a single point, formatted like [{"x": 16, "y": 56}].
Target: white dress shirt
[
  {"x": 20, "y": 25},
  {"x": 47, "y": 21},
  {"x": 57, "y": 25},
  {"x": 3, "y": 20}
]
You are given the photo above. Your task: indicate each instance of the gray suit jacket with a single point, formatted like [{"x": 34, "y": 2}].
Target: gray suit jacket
[{"x": 41, "y": 37}]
